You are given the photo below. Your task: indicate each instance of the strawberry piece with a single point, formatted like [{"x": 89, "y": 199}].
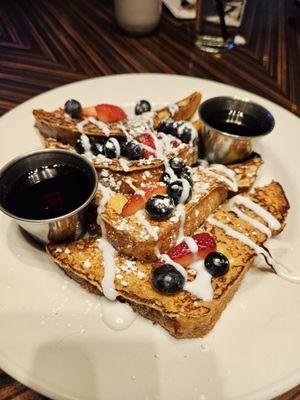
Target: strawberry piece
[
  {"x": 147, "y": 140},
  {"x": 137, "y": 201},
  {"x": 182, "y": 255},
  {"x": 174, "y": 144},
  {"x": 109, "y": 113},
  {"x": 134, "y": 204},
  {"x": 89, "y": 112}
]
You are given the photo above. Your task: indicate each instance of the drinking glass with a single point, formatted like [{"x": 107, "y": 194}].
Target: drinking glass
[{"x": 212, "y": 38}]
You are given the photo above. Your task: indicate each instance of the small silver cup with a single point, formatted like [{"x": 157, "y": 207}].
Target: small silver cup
[
  {"x": 66, "y": 227},
  {"x": 245, "y": 122}
]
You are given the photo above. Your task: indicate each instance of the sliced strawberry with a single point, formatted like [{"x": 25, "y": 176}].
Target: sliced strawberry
[
  {"x": 137, "y": 201},
  {"x": 175, "y": 144},
  {"x": 147, "y": 140},
  {"x": 89, "y": 112},
  {"x": 181, "y": 253},
  {"x": 134, "y": 204},
  {"x": 109, "y": 113},
  {"x": 152, "y": 190}
]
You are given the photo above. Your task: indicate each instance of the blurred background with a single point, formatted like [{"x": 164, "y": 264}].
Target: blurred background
[{"x": 44, "y": 44}]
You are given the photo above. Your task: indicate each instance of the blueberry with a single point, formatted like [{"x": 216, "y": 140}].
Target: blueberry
[
  {"x": 73, "y": 108},
  {"x": 166, "y": 279},
  {"x": 165, "y": 178},
  {"x": 168, "y": 127},
  {"x": 216, "y": 264},
  {"x": 133, "y": 151},
  {"x": 186, "y": 174},
  {"x": 122, "y": 143},
  {"x": 142, "y": 106},
  {"x": 79, "y": 147},
  {"x": 160, "y": 207},
  {"x": 175, "y": 190},
  {"x": 111, "y": 150},
  {"x": 177, "y": 164},
  {"x": 96, "y": 148},
  {"x": 185, "y": 134}
]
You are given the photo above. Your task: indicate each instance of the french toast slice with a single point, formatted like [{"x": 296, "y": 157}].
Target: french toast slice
[
  {"x": 114, "y": 172},
  {"x": 183, "y": 315},
  {"x": 111, "y": 173},
  {"x": 143, "y": 238},
  {"x": 57, "y": 125}
]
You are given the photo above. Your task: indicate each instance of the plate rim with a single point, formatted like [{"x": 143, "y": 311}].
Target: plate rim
[{"x": 23, "y": 376}]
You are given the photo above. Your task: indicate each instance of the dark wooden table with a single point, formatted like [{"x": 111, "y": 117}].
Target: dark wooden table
[{"x": 45, "y": 44}]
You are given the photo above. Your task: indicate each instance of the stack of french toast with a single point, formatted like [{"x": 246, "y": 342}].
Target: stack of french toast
[{"x": 172, "y": 235}]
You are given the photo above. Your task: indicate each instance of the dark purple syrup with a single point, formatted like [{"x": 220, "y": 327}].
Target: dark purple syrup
[{"x": 48, "y": 192}]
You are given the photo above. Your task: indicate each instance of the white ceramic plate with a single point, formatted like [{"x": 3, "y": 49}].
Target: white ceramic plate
[{"x": 52, "y": 337}]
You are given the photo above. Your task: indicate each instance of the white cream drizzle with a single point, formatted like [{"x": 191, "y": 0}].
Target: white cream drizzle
[
  {"x": 173, "y": 109},
  {"x": 231, "y": 183},
  {"x": 191, "y": 244},
  {"x": 201, "y": 286},
  {"x": 106, "y": 194},
  {"x": 117, "y": 316},
  {"x": 181, "y": 208},
  {"x": 108, "y": 281},
  {"x": 190, "y": 126},
  {"x": 261, "y": 227},
  {"x": 185, "y": 191},
  {"x": 169, "y": 170},
  {"x": 177, "y": 266},
  {"x": 269, "y": 218},
  {"x": 85, "y": 143},
  {"x": 101, "y": 125},
  {"x": 81, "y": 125},
  {"x": 141, "y": 193},
  {"x": 116, "y": 145},
  {"x": 259, "y": 250},
  {"x": 222, "y": 168},
  {"x": 108, "y": 251},
  {"x": 124, "y": 164},
  {"x": 129, "y": 183},
  {"x": 182, "y": 222},
  {"x": 140, "y": 215},
  {"x": 203, "y": 163}
]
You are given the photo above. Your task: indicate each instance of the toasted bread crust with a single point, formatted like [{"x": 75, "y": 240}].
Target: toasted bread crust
[
  {"x": 186, "y": 109},
  {"x": 187, "y": 152},
  {"x": 135, "y": 243},
  {"x": 182, "y": 315},
  {"x": 57, "y": 126}
]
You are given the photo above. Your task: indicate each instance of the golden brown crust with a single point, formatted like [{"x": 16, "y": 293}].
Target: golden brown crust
[
  {"x": 129, "y": 237},
  {"x": 140, "y": 245},
  {"x": 183, "y": 315},
  {"x": 186, "y": 109},
  {"x": 57, "y": 125},
  {"x": 139, "y": 173},
  {"x": 246, "y": 171}
]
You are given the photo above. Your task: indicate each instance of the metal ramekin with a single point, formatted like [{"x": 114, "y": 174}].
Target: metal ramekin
[
  {"x": 223, "y": 147},
  {"x": 67, "y": 227}
]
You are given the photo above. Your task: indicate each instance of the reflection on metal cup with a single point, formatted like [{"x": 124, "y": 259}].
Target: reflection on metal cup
[
  {"x": 230, "y": 125},
  {"x": 66, "y": 227}
]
